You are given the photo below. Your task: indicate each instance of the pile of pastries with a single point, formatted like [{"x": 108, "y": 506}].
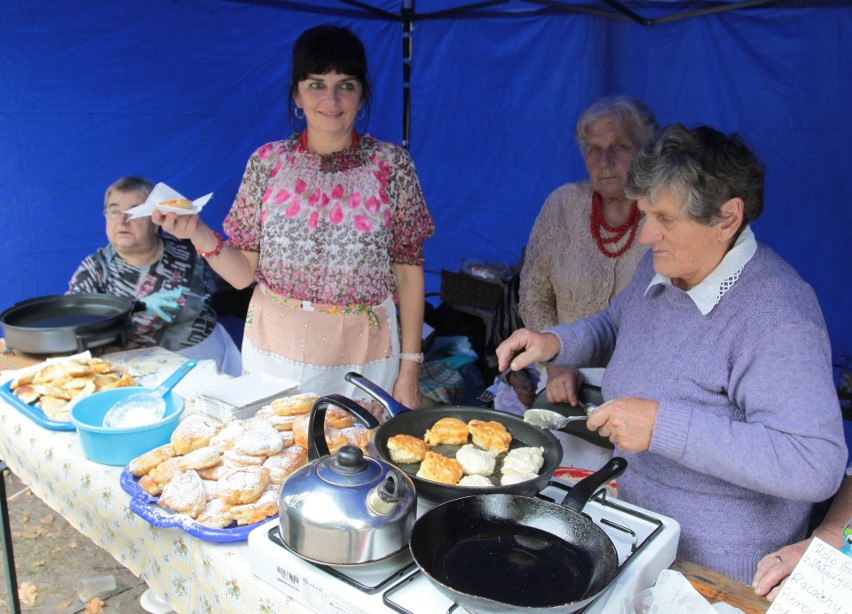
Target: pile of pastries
[
  {"x": 484, "y": 458},
  {"x": 56, "y": 386},
  {"x": 221, "y": 473}
]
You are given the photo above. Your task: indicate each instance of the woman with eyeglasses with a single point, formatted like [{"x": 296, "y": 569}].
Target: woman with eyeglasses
[{"x": 166, "y": 273}]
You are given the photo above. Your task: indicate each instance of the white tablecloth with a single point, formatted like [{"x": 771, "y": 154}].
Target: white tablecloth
[{"x": 195, "y": 575}]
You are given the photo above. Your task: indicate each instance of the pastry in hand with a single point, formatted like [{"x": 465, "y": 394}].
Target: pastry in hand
[
  {"x": 406, "y": 449},
  {"x": 491, "y": 436},
  {"x": 447, "y": 430},
  {"x": 438, "y": 468}
]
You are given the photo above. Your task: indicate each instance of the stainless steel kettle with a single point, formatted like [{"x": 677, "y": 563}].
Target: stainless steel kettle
[{"x": 349, "y": 508}]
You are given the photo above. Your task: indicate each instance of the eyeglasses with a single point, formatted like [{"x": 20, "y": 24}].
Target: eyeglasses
[{"x": 114, "y": 214}]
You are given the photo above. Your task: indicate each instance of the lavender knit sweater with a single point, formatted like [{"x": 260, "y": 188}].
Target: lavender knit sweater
[{"x": 749, "y": 431}]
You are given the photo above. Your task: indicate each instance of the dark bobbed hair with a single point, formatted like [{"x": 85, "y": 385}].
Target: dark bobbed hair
[
  {"x": 324, "y": 49},
  {"x": 705, "y": 167}
]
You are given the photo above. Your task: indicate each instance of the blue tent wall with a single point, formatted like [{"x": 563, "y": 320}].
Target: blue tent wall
[{"x": 182, "y": 92}]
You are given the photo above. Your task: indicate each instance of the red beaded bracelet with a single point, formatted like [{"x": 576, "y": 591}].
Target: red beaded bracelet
[{"x": 220, "y": 245}]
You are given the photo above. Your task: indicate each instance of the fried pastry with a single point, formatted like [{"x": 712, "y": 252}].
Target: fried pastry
[
  {"x": 406, "y": 449},
  {"x": 279, "y": 423},
  {"x": 194, "y": 432},
  {"x": 228, "y": 436},
  {"x": 184, "y": 494},
  {"x": 295, "y": 404},
  {"x": 165, "y": 471},
  {"x": 141, "y": 465},
  {"x": 447, "y": 430},
  {"x": 202, "y": 458},
  {"x": 337, "y": 418},
  {"x": 491, "y": 436},
  {"x": 235, "y": 459},
  {"x": 439, "y": 468},
  {"x": 282, "y": 465},
  {"x": 475, "y": 461},
  {"x": 150, "y": 485},
  {"x": 249, "y": 513},
  {"x": 243, "y": 485},
  {"x": 259, "y": 440},
  {"x": 216, "y": 514}
]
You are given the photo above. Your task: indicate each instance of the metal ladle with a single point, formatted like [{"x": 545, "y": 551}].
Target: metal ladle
[{"x": 554, "y": 421}]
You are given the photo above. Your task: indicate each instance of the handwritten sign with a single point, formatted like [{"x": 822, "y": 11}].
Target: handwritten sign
[{"x": 820, "y": 584}]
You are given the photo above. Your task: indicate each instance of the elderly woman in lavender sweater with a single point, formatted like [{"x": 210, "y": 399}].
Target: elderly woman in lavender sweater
[{"x": 719, "y": 384}]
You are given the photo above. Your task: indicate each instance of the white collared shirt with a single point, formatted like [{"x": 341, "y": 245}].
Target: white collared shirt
[{"x": 710, "y": 290}]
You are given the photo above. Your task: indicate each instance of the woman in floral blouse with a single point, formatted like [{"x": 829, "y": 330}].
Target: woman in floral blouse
[{"x": 330, "y": 224}]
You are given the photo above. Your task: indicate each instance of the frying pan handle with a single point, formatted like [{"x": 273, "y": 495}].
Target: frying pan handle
[
  {"x": 393, "y": 406},
  {"x": 317, "y": 445},
  {"x": 583, "y": 490}
]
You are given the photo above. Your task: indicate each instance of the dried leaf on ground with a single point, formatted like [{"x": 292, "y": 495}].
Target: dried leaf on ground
[
  {"x": 73, "y": 545},
  {"x": 94, "y": 606},
  {"x": 47, "y": 519},
  {"x": 27, "y": 593}
]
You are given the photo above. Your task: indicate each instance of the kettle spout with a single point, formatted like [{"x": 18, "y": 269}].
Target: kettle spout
[{"x": 383, "y": 499}]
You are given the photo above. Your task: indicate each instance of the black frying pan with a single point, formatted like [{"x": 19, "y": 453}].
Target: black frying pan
[
  {"x": 502, "y": 553},
  {"x": 415, "y": 423},
  {"x": 67, "y": 323}
]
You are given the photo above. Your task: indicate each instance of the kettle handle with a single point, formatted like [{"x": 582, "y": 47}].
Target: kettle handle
[
  {"x": 317, "y": 445},
  {"x": 393, "y": 406}
]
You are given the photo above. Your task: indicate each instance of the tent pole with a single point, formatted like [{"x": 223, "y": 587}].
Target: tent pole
[{"x": 407, "y": 29}]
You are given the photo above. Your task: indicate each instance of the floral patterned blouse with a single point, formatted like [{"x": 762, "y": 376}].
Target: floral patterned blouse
[{"x": 328, "y": 227}]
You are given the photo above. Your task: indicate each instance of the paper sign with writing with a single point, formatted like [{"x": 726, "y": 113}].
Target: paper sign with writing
[{"x": 820, "y": 584}]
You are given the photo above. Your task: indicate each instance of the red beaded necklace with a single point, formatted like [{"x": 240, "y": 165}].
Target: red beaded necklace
[
  {"x": 597, "y": 222},
  {"x": 303, "y": 139}
]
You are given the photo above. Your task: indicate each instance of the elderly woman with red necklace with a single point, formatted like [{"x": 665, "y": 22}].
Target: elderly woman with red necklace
[
  {"x": 583, "y": 250},
  {"x": 331, "y": 225}
]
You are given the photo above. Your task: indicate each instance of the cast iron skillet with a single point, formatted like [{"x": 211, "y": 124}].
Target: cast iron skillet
[
  {"x": 505, "y": 553},
  {"x": 68, "y": 323},
  {"x": 415, "y": 423}
]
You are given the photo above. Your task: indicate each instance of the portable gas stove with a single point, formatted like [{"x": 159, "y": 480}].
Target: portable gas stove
[{"x": 646, "y": 544}]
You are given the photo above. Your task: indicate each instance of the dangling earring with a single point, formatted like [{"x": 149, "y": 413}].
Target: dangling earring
[
  {"x": 361, "y": 114},
  {"x": 299, "y": 113}
]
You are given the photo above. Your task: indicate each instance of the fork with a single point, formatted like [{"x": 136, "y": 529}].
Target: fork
[{"x": 489, "y": 393}]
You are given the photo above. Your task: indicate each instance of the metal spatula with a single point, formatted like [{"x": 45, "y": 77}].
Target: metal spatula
[
  {"x": 145, "y": 407},
  {"x": 552, "y": 420}
]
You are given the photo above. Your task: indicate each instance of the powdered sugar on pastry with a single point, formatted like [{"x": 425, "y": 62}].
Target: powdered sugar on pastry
[{"x": 184, "y": 494}]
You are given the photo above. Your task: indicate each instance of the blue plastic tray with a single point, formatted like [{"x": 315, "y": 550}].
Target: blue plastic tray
[
  {"x": 31, "y": 411},
  {"x": 145, "y": 506}
]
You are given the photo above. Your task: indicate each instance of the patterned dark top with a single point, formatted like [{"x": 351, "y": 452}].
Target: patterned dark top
[
  {"x": 328, "y": 227},
  {"x": 105, "y": 272}
]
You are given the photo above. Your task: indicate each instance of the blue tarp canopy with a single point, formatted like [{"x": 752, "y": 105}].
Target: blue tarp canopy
[{"x": 182, "y": 91}]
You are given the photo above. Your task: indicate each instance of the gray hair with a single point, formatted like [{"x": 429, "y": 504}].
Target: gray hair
[
  {"x": 632, "y": 116},
  {"x": 703, "y": 166},
  {"x": 129, "y": 184}
]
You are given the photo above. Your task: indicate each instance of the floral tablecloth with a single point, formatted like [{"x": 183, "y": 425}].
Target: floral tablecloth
[{"x": 194, "y": 575}]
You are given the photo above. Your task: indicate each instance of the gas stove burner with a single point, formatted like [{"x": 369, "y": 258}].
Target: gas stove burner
[
  {"x": 646, "y": 544},
  {"x": 368, "y": 578}
]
